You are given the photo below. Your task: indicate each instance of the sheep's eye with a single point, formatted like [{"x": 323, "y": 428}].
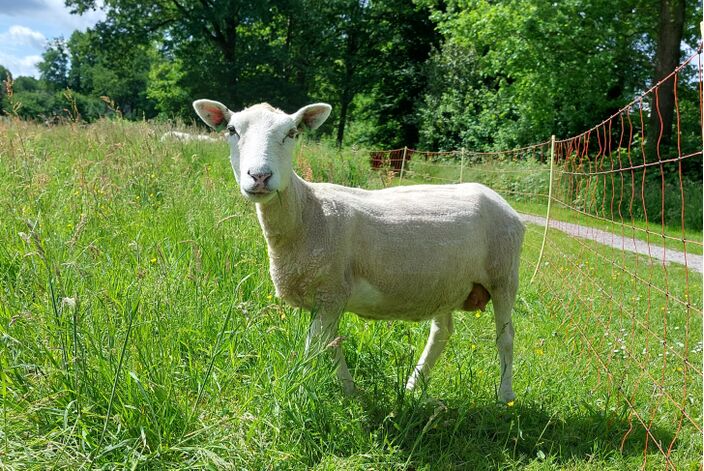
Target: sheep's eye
[
  {"x": 233, "y": 132},
  {"x": 292, "y": 133}
]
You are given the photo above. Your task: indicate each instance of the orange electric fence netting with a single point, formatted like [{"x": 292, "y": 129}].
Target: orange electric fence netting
[{"x": 621, "y": 269}]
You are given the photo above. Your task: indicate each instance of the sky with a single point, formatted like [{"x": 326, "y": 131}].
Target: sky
[{"x": 27, "y": 25}]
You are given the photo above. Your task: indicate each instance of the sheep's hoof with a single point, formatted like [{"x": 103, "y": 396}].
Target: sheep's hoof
[
  {"x": 349, "y": 389},
  {"x": 506, "y": 396},
  {"x": 411, "y": 384},
  {"x": 416, "y": 384}
]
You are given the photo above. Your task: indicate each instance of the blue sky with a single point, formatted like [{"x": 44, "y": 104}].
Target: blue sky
[{"x": 26, "y": 26}]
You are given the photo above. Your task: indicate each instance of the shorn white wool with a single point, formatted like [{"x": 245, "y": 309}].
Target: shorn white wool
[
  {"x": 185, "y": 137},
  {"x": 410, "y": 253}
]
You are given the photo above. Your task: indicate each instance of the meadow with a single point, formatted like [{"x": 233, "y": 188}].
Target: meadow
[{"x": 139, "y": 330}]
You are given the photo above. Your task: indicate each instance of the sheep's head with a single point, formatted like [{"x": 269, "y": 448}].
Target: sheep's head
[{"x": 261, "y": 142}]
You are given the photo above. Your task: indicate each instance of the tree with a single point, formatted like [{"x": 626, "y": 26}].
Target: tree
[
  {"x": 245, "y": 51},
  {"x": 53, "y": 68},
  {"x": 667, "y": 57},
  {"x": 366, "y": 59},
  {"x": 539, "y": 67},
  {"x": 103, "y": 65},
  {"x": 403, "y": 36},
  {"x": 348, "y": 40},
  {"x": 200, "y": 27},
  {"x": 165, "y": 87},
  {"x": 5, "y": 77},
  {"x": 26, "y": 84}
]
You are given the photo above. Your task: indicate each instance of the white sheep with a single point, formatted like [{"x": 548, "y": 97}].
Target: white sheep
[
  {"x": 186, "y": 137},
  {"x": 410, "y": 253}
]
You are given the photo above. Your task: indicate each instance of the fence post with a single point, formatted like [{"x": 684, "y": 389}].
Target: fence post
[
  {"x": 403, "y": 164},
  {"x": 547, "y": 215},
  {"x": 461, "y": 164}
]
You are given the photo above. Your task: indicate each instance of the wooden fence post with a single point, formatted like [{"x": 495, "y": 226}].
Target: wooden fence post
[
  {"x": 461, "y": 165},
  {"x": 547, "y": 215},
  {"x": 403, "y": 163}
]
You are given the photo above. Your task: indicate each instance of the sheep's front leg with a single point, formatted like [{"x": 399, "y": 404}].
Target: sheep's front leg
[
  {"x": 440, "y": 331},
  {"x": 321, "y": 333}
]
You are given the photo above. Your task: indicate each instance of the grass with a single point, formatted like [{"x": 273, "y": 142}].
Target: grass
[{"x": 139, "y": 329}]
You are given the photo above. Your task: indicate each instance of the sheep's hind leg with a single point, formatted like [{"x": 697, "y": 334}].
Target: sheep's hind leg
[
  {"x": 503, "y": 305},
  {"x": 440, "y": 331},
  {"x": 321, "y": 334}
]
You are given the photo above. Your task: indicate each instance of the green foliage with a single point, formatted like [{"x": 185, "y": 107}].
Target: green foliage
[
  {"x": 37, "y": 104},
  {"x": 54, "y": 66},
  {"x": 27, "y": 84},
  {"x": 459, "y": 111},
  {"x": 106, "y": 66},
  {"x": 5, "y": 75},
  {"x": 165, "y": 87},
  {"x": 437, "y": 75},
  {"x": 512, "y": 73},
  {"x": 285, "y": 52},
  {"x": 655, "y": 196},
  {"x": 386, "y": 112}
]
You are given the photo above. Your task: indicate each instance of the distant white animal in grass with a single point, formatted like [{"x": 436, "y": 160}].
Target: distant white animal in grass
[
  {"x": 186, "y": 137},
  {"x": 410, "y": 253}
]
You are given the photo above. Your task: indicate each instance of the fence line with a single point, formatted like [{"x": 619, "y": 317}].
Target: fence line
[{"x": 621, "y": 181}]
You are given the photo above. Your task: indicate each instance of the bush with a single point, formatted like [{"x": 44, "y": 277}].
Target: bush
[{"x": 635, "y": 197}]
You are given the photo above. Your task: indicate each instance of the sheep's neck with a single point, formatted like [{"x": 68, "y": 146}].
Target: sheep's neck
[{"x": 282, "y": 217}]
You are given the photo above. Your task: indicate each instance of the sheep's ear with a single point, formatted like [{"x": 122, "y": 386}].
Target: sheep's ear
[
  {"x": 213, "y": 113},
  {"x": 312, "y": 116}
]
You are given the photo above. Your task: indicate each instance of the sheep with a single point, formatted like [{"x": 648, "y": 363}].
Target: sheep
[
  {"x": 408, "y": 253},
  {"x": 185, "y": 137}
]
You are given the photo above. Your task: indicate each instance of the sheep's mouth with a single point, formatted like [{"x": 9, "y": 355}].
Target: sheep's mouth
[
  {"x": 258, "y": 196},
  {"x": 257, "y": 192}
]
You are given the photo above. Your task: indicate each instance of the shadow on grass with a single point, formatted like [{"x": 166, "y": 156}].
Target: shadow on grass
[{"x": 438, "y": 435}]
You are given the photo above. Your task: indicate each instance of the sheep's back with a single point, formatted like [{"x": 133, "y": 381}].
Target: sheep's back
[{"x": 419, "y": 248}]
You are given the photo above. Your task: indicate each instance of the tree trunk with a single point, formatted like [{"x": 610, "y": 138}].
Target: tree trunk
[
  {"x": 348, "y": 86},
  {"x": 667, "y": 57},
  {"x": 344, "y": 106}
]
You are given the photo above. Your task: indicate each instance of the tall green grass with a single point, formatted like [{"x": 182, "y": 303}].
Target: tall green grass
[{"x": 139, "y": 329}]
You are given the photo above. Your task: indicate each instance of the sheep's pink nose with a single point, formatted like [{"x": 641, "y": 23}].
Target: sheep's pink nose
[{"x": 260, "y": 178}]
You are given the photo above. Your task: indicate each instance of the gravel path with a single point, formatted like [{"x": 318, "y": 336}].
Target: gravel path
[{"x": 694, "y": 262}]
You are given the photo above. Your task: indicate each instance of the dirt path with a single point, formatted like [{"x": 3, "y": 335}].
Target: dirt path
[{"x": 694, "y": 262}]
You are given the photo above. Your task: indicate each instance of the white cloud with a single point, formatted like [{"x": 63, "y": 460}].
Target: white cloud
[
  {"x": 26, "y": 65},
  {"x": 57, "y": 10},
  {"x": 22, "y": 36},
  {"x": 27, "y": 25},
  {"x": 52, "y": 13},
  {"x": 21, "y": 51}
]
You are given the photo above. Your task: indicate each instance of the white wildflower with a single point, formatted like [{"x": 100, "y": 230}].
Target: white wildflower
[{"x": 69, "y": 302}]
